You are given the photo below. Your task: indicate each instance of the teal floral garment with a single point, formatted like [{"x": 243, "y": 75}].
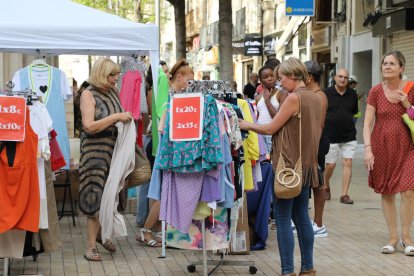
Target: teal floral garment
[
  {"x": 217, "y": 233},
  {"x": 193, "y": 156}
]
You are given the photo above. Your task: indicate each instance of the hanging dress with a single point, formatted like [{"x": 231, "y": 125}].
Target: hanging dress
[{"x": 19, "y": 186}]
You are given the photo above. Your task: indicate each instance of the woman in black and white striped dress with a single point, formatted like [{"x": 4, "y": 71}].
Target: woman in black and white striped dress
[{"x": 101, "y": 109}]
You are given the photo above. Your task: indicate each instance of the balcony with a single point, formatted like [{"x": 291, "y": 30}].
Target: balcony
[{"x": 192, "y": 25}]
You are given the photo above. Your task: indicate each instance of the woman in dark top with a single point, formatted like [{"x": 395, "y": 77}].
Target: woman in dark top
[{"x": 314, "y": 74}]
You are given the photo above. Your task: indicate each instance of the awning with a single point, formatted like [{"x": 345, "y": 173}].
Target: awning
[{"x": 394, "y": 21}]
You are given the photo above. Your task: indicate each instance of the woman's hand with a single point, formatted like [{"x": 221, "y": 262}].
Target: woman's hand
[
  {"x": 369, "y": 159},
  {"x": 244, "y": 125},
  {"x": 124, "y": 117},
  {"x": 402, "y": 97},
  {"x": 266, "y": 94}
]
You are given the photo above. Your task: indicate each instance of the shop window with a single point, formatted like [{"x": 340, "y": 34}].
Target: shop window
[
  {"x": 302, "y": 36},
  {"x": 240, "y": 28},
  {"x": 323, "y": 10}
]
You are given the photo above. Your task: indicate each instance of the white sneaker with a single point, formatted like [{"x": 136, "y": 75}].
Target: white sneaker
[
  {"x": 319, "y": 232},
  {"x": 293, "y": 227}
]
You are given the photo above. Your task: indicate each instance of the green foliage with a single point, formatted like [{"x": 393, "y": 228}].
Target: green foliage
[{"x": 125, "y": 8}]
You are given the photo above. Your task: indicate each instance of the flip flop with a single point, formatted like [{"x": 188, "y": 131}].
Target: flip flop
[
  {"x": 92, "y": 254},
  {"x": 108, "y": 246}
]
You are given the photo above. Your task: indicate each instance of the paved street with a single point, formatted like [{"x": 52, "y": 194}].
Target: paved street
[{"x": 356, "y": 234}]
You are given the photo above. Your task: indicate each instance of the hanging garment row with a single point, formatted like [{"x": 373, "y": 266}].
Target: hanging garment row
[
  {"x": 39, "y": 154},
  {"x": 206, "y": 178}
]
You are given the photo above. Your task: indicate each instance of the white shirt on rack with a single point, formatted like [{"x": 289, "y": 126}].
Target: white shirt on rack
[{"x": 41, "y": 124}]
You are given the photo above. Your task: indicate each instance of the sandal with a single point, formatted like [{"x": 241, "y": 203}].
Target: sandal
[
  {"x": 92, "y": 254},
  {"x": 389, "y": 249},
  {"x": 108, "y": 246},
  {"x": 150, "y": 243},
  {"x": 408, "y": 249}
]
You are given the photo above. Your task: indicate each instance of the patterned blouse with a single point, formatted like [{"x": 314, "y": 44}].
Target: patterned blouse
[{"x": 193, "y": 156}]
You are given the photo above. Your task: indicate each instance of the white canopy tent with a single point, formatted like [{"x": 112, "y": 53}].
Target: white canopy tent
[{"x": 53, "y": 27}]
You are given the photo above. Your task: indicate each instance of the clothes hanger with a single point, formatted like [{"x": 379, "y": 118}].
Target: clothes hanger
[{"x": 39, "y": 61}]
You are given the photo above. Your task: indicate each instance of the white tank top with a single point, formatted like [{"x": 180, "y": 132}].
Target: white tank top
[{"x": 264, "y": 116}]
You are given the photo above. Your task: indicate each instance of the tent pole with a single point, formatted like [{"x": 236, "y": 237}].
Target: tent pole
[{"x": 157, "y": 20}]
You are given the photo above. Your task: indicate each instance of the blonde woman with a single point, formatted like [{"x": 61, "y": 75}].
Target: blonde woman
[{"x": 101, "y": 109}]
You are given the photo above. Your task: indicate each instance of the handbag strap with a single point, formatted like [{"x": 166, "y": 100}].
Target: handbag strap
[
  {"x": 300, "y": 128},
  {"x": 408, "y": 87}
]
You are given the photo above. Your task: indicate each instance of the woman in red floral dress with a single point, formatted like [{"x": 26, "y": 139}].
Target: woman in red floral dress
[{"x": 389, "y": 149}]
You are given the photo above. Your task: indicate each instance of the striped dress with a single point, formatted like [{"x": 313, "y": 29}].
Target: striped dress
[{"x": 96, "y": 153}]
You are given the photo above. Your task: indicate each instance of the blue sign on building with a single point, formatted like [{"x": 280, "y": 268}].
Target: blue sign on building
[{"x": 300, "y": 7}]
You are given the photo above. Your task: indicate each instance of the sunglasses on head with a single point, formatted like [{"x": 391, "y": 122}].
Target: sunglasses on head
[{"x": 174, "y": 70}]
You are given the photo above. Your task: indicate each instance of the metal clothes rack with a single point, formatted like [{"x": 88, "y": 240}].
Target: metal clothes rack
[
  {"x": 209, "y": 87},
  {"x": 30, "y": 97},
  {"x": 27, "y": 93}
]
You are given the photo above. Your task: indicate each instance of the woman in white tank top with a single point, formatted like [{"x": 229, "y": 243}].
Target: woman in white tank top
[{"x": 267, "y": 103}]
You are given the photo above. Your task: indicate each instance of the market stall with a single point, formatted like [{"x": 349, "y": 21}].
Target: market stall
[{"x": 46, "y": 28}]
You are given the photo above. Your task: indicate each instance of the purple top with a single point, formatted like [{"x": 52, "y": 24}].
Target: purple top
[{"x": 410, "y": 112}]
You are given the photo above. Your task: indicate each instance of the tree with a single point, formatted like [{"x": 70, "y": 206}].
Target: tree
[
  {"x": 179, "y": 15},
  {"x": 225, "y": 27},
  {"x": 134, "y": 10}
]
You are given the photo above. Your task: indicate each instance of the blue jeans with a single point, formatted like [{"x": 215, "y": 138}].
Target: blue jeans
[
  {"x": 142, "y": 204},
  {"x": 297, "y": 210}
]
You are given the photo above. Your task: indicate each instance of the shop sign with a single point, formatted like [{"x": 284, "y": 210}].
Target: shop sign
[
  {"x": 238, "y": 47},
  {"x": 253, "y": 45},
  {"x": 12, "y": 118},
  {"x": 300, "y": 7},
  {"x": 186, "y": 122}
]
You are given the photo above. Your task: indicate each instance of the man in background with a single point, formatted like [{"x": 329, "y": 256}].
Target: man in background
[
  {"x": 250, "y": 88},
  {"x": 342, "y": 106}
]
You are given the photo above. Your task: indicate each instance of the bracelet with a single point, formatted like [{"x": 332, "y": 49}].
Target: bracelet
[{"x": 367, "y": 146}]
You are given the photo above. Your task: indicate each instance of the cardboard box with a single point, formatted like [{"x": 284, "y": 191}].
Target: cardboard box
[{"x": 242, "y": 233}]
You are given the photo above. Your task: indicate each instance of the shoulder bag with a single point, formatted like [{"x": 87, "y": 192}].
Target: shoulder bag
[
  {"x": 142, "y": 171},
  {"x": 288, "y": 180}
]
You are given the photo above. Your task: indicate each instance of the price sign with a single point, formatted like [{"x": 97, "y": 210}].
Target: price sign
[
  {"x": 12, "y": 118},
  {"x": 186, "y": 117}
]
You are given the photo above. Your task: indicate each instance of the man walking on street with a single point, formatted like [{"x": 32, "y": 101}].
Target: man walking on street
[{"x": 342, "y": 106}]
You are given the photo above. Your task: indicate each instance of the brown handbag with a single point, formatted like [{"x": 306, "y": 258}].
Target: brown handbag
[
  {"x": 288, "y": 181},
  {"x": 142, "y": 171}
]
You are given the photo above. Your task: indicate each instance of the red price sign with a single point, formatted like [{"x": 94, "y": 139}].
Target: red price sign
[
  {"x": 186, "y": 117},
  {"x": 12, "y": 118}
]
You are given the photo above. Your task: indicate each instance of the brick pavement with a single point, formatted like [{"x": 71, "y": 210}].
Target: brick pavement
[{"x": 356, "y": 234}]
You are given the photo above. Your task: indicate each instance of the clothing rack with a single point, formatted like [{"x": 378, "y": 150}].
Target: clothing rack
[
  {"x": 30, "y": 96},
  {"x": 27, "y": 93},
  {"x": 209, "y": 87}
]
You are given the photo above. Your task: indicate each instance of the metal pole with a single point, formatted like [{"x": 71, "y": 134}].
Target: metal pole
[
  {"x": 203, "y": 229},
  {"x": 163, "y": 239},
  {"x": 157, "y": 20},
  {"x": 6, "y": 266}
]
